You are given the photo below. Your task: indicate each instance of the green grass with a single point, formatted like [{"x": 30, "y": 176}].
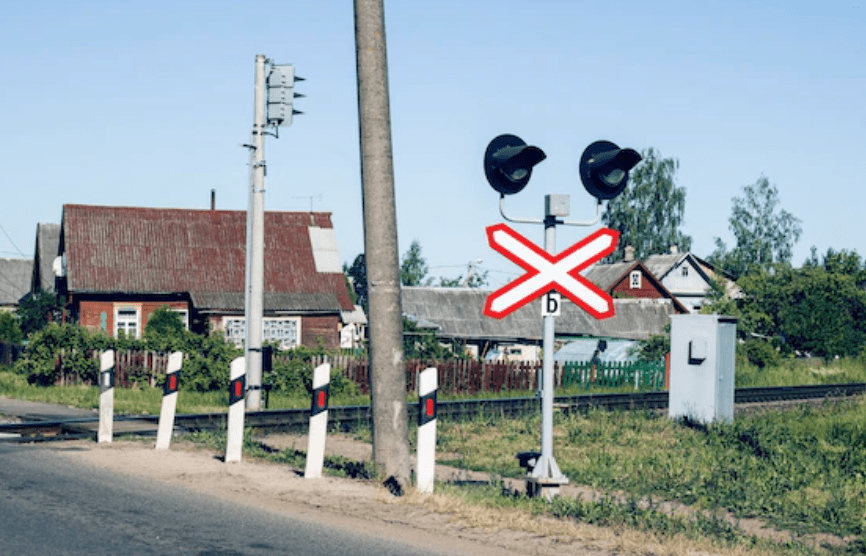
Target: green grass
[
  {"x": 798, "y": 372},
  {"x": 801, "y": 470}
]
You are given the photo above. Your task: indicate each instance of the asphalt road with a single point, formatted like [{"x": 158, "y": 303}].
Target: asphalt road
[{"x": 51, "y": 505}]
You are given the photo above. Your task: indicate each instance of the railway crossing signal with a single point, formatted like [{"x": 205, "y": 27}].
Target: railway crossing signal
[
  {"x": 546, "y": 272},
  {"x": 604, "y": 169},
  {"x": 508, "y": 163}
]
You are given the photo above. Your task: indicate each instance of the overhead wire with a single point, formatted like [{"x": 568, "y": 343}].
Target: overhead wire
[{"x": 12, "y": 242}]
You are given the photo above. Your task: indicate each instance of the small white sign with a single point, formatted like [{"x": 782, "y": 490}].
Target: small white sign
[{"x": 551, "y": 304}]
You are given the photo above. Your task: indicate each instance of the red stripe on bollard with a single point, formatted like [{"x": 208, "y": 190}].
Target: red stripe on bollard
[
  {"x": 236, "y": 389},
  {"x": 319, "y": 403},
  {"x": 427, "y": 408}
]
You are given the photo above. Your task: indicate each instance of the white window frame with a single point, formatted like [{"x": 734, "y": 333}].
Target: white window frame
[
  {"x": 183, "y": 314},
  {"x": 274, "y": 329},
  {"x": 127, "y": 322},
  {"x": 684, "y": 272},
  {"x": 634, "y": 280}
]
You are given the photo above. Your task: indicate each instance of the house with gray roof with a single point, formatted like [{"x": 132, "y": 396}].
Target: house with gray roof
[
  {"x": 14, "y": 282},
  {"x": 631, "y": 279},
  {"x": 688, "y": 277},
  {"x": 457, "y": 314},
  {"x": 45, "y": 257}
]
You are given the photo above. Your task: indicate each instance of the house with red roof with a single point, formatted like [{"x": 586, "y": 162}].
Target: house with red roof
[
  {"x": 632, "y": 279},
  {"x": 119, "y": 264}
]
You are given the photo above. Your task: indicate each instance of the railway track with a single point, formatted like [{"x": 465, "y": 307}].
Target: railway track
[{"x": 349, "y": 417}]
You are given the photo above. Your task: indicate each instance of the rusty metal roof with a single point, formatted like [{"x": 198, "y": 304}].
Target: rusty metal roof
[{"x": 200, "y": 252}]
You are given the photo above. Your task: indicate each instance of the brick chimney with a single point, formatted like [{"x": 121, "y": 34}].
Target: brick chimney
[{"x": 629, "y": 254}]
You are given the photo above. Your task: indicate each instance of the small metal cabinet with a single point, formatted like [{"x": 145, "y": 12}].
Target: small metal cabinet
[{"x": 702, "y": 367}]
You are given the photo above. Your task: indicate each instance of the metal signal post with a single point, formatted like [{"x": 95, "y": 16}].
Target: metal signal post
[
  {"x": 508, "y": 165},
  {"x": 273, "y": 107}
]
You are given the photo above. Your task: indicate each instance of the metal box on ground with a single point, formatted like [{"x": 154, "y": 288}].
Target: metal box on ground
[{"x": 702, "y": 367}]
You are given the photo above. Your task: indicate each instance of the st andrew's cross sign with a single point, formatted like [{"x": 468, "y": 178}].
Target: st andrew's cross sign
[{"x": 546, "y": 272}]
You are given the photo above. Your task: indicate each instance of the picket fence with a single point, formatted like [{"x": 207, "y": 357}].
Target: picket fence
[
  {"x": 131, "y": 368},
  {"x": 455, "y": 376},
  {"x": 469, "y": 376}
]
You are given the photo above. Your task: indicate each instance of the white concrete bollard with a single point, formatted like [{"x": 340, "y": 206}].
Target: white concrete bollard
[
  {"x": 318, "y": 421},
  {"x": 425, "y": 472},
  {"x": 169, "y": 401},
  {"x": 106, "y": 397},
  {"x": 237, "y": 394}
]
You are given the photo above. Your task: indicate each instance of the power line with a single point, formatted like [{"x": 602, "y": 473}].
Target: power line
[{"x": 12, "y": 242}]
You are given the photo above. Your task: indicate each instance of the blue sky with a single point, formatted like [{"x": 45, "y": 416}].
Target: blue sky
[{"x": 147, "y": 104}]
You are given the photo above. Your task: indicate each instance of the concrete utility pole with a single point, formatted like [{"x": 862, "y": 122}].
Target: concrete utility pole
[
  {"x": 256, "y": 245},
  {"x": 388, "y": 378}
]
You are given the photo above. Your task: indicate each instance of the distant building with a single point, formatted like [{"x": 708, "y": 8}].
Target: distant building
[
  {"x": 14, "y": 282},
  {"x": 119, "y": 264},
  {"x": 46, "y": 258},
  {"x": 456, "y": 316},
  {"x": 688, "y": 277},
  {"x": 631, "y": 279}
]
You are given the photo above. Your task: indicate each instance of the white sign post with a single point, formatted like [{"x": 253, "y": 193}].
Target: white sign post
[
  {"x": 237, "y": 391},
  {"x": 318, "y": 422},
  {"x": 106, "y": 397},
  {"x": 426, "y": 457},
  {"x": 169, "y": 401}
]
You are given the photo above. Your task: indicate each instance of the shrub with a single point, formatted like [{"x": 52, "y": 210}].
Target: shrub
[
  {"x": 293, "y": 372},
  {"x": 69, "y": 349},
  {"x": 62, "y": 348},
  {"x": 10, "y": 332},
  {"x": 761, "y": 354}
]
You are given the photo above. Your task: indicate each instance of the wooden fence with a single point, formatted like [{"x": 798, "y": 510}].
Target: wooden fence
[
  {"x": 470, "y": 377},
  {"x": 456, "y": 376},
  {"x": 130, "y": 368}
]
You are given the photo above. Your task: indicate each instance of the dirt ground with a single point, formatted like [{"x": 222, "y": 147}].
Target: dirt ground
[{"x": 432, "y": 521}]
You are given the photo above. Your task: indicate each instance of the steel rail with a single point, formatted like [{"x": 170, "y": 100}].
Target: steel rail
[{"x": 350, "y": 417}]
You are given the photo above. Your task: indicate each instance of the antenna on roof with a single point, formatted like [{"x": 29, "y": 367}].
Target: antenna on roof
[{"x": 311, "y": 198}]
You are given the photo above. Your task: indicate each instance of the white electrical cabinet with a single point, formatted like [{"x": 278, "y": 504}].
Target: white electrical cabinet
[{"x": 702, "y": 367}]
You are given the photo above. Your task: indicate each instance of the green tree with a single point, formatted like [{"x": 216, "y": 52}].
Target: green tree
[
  {"x": 35, "y": 311},
  {"x": 839, "y": 262},
  {"x": 10, "y": 332},
  {"x": 649, "y": 213},
  {"x": 765, "y": 233},
  {"x": 165, "y": 331},
  {"x": 473, "y": 279},
  {"x": 808, "y": 310},
  {"x": 358, "y": 273},
  {"x": 413, "y": 267},
  {"x": 420, "y": 343}
]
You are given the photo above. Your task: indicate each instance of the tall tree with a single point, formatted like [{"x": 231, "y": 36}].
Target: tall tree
[
  {"x": 765, "y": 233},
  {"x": 413, "y": 267},
  {"x": 358, "y": 273},
  {"x": 35, "y": 311},
  {"x": 649, "y": 213},
  {"x": 840, "y": 262}
]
